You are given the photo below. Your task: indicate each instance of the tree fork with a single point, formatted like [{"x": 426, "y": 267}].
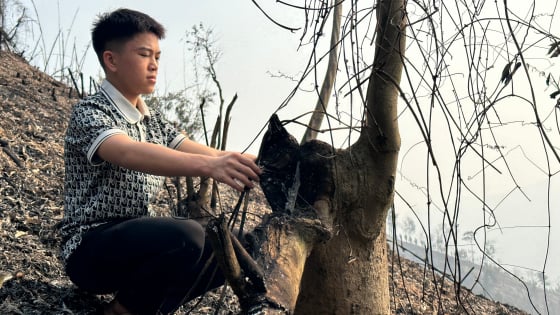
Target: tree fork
[{"x": 350, "y": 190}]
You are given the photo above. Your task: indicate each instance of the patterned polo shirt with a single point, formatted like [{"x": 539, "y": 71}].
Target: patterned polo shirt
[{"x": 95, "y": 191}]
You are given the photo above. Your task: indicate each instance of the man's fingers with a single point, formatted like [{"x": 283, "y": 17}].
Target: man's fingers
[
  {"x": 247, "y": 170},
  {"x": 254, "y": 169},
  {"x": 245, "y": 180},
  {"x": 249, "y": 160},
  {"x": 239, "y": 171},
  {"x": 240, "y": 186}
]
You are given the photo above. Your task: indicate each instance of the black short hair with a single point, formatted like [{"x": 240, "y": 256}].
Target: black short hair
[{"x": 119, "y": 26}]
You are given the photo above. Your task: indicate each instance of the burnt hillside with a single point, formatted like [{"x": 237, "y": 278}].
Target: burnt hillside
[{"x": 34, "y": 110}]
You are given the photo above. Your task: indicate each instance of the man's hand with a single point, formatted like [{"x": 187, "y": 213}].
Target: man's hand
[{"x": 235, "y": 169}]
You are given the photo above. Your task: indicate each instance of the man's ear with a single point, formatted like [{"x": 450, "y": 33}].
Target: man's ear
[{"x": 109, "y": 60}]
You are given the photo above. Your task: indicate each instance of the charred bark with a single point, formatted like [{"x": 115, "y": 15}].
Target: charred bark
[
  {"x": 323, "y": 250},
  {"x": 285, "y": 238}
]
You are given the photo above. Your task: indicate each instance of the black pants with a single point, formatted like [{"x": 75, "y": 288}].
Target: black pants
[{"x": 152, "y": 263}]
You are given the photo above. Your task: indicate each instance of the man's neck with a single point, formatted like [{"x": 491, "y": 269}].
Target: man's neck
[{"x": 132, "y": 99}]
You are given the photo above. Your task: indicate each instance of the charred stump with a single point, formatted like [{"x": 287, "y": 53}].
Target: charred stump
[{"x": 297, "y": 182}]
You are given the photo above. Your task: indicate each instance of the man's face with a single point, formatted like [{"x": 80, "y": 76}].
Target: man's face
[{"x": 134, "y": 65}]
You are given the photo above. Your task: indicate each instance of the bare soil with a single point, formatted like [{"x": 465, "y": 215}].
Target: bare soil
[{"x": 34, "y": 109}]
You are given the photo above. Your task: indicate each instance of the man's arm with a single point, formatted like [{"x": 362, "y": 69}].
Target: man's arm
[
  {"x": 191, "y": 159},
  {"x": 190, "y": 146}
]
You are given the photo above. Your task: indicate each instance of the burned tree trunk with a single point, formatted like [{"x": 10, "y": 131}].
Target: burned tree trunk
[
  {"x": 323, "y": 249},
  {"x": 300, "y": 221},
  {"x": 351, "y": 268}
]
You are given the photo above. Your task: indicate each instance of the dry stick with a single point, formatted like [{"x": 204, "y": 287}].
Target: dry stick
[
  {"x": 82, "y": 82},
  {"x": 224, "y": 253},
  {"x": 214, "y": 144},
  {"x": 249, "y": 266},
  {"x": 227, "y": 121},
  {"x": 243, "y": 217},
  {"x": 203, "y": 190},
  {"x": 13, "y": 156},
  {"x": 201, "y": 106},
  {"x": 235, "y": 263},
  {"x": 222, "y": 145},
  {"x": 75, "y": 84},
  {"x": 93, "y": 84},
  {"x": 6, "y": 148},
  {"x": 235, "y": 213},
  {"x": 291, "y": 29}
]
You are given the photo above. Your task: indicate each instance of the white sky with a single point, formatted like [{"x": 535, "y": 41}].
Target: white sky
[{"x": 252, "y": 46}]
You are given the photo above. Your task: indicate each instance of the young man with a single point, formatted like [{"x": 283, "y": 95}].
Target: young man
[{"x": 116, "y": 152}]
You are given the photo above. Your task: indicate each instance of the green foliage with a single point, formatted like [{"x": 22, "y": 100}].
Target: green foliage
[{"x": 179, "y": 109}]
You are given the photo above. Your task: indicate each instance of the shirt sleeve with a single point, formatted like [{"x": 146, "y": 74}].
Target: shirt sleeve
[
  {"x": 89, "y": 126},
  {"x": 173, "y": 137}
]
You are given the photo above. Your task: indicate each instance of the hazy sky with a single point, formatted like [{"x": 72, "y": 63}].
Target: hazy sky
[{"x": 253, "y": 48}]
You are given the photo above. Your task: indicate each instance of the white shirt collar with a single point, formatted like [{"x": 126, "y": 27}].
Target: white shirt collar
[{"x": 124, "y": 107}]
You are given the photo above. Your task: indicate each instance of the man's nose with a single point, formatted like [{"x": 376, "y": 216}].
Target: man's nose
[{"x": 154, "y": 64}]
